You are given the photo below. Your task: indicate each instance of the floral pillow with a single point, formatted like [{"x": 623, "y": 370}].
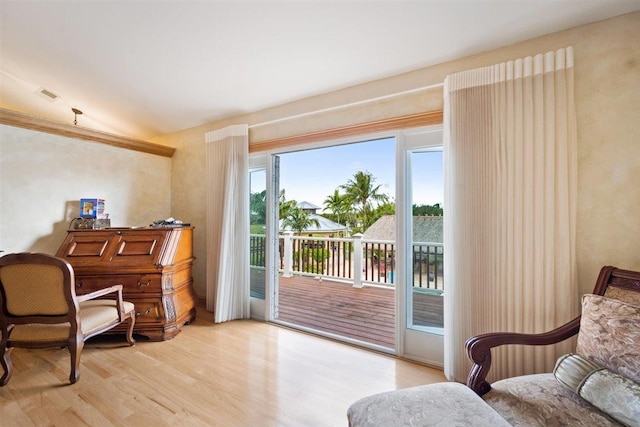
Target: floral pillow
[{"x": 610, "y": 335}]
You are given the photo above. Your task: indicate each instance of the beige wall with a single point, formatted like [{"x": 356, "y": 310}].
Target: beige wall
[
  {"x": 607, "y": 70},
  {"x": 43, "y": 177}
]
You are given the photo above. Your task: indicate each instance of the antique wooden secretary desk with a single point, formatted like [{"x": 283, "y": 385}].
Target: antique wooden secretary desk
[{"x": 152, "y": 264}]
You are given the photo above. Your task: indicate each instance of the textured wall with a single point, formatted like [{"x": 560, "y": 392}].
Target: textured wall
[
  {"x": 43, "y": 177},
  {"x": 607, "y": 68}
]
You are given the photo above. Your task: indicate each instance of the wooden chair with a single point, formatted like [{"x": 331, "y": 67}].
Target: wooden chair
[
  {"x": 39, "y": 309},
  {"x": 610, "y": 281}
]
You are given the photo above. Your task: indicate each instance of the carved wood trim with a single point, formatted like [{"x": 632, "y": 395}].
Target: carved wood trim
[
  {"x": 26, "y": 121},
  {"x": 403, "y": 122},
  {"x": 626, "y": 279}
]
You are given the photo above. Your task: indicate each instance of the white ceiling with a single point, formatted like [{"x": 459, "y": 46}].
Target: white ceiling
[{"x": 143, "y": 68}]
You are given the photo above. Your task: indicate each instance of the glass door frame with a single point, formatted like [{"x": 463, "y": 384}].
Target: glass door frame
[
  {"x": 420, "y": 345},
  {"x": 258, "y": 307},
  {"x": 412, "y": 344}
]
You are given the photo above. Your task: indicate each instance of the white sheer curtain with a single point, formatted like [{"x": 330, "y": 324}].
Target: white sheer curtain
[
  {"x": 510, "y": 208},
  {"x": 227, "y": 152}
]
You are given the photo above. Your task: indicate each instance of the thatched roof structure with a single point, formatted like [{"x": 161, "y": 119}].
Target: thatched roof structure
[{"x": 427, "y": 229}]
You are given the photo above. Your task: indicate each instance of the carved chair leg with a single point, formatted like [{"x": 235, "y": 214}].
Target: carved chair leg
[
  {"x": 5, "y": 360},
  {"x": 7, "y": 366},
  {"x": 131, "y": 321},
  {"x": 75, "y": 348}
]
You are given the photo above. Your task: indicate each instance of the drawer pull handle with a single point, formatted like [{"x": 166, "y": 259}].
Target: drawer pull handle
[
  {"x": 79, "y": 284},
  {"x": 140, "y": 284},
  {"x": 147, "y": 311}
]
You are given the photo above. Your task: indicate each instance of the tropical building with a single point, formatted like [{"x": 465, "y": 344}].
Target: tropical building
[{"x": 324, "y": 226}]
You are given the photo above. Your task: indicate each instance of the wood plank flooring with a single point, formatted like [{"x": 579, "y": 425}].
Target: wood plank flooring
[
  {"x": 240, "y": 373},
  {"x": 365, "y": 314}
]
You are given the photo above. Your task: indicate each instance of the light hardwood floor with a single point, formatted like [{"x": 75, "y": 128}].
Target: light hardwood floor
[{"x": 240, "y": 373}]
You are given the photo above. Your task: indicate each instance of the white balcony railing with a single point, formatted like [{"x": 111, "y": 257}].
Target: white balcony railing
[{"x": 354, "y": 260}]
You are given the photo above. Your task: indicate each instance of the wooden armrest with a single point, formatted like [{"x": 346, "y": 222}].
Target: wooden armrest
[
  {"x": 99, "y": 293},
  {"x": 479, "y": 349},
  {"x": 105, "y": 291}
]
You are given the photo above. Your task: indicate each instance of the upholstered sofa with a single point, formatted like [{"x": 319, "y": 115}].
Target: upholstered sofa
[{"x": 598, "y": 385}]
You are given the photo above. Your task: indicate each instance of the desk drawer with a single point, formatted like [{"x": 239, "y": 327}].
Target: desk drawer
[
  {"x": 149, "y": 311},
  {"x": 131, "y": 283}
]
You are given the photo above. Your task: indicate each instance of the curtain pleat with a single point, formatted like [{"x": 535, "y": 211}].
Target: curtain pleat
[
  {"x": 227, "y": 233},
  {"x": 510, "y": 200}
]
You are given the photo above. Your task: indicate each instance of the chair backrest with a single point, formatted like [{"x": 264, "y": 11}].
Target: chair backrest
[
  {"x": 619, "y": 284},
  {"x": 36, "y": 285}
]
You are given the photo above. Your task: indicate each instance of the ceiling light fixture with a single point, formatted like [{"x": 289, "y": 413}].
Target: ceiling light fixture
[{"x": 75, "y": 117}]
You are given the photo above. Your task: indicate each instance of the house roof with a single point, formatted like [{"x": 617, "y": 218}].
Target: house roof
[
  {"x": 326, "y": 225},
  {"x": 308, "y": 206},
  {"x": 425, "y": 229}
]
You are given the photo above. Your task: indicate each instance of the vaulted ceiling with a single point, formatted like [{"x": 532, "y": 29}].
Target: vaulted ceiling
[{"x": 143, "y": 68}]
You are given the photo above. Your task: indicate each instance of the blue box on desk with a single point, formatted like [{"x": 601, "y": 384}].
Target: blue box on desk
[{"x": 92, "y": 208}]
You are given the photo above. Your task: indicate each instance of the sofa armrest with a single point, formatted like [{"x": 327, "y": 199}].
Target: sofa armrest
[{"x": 479, "y": 349}]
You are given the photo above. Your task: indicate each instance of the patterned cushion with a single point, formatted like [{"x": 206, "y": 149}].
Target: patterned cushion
[
  {"x": 628, "y": 296},
  {"x": 572, "y": 369},
  {"x": 441, "y": 404},
  {"x": 614, "y": 394},
  {"x": 23, "y": 282},
  {"x": 610, "y": 335},
  {"x": 540, "y": 400}
]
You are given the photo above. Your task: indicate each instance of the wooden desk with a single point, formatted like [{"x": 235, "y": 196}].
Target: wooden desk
[{"x": 152, "y": 264}]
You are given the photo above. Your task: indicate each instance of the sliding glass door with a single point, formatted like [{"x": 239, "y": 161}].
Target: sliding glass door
[
  {"x": 258, "y": 247},
  {"x": 421, "y": 219},
  {"x": 349, "y": 223}
]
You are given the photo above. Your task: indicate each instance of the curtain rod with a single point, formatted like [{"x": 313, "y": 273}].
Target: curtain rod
[{"x": 351, "y": 104}]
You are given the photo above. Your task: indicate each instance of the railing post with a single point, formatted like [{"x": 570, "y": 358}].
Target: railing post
[
  {"x": 288, "y": 254},
  {"x": 357, "y": 260}
]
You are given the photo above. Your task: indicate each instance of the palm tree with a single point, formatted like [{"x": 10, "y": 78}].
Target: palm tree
[
  {"x": 299, "y": 220},
  {"x": 258, "y": 207},
  {"x": 285, "y": 206},
  {"x": 338, "y": 204},
  {"x": 363, "y": 194}
]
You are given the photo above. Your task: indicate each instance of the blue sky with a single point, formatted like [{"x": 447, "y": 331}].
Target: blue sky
[{"x": 312, "y": 175}]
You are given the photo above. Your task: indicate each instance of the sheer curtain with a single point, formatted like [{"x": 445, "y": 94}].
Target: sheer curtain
[
  {"x": 227, "y": 232},
  {"x": 510, "y": 200}
]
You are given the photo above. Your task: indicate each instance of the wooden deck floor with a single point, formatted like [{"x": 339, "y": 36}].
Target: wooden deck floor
[{"x": 365, "y": 314}]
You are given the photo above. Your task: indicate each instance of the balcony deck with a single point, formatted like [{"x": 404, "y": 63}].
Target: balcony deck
[{"x": 365, "y": 314}]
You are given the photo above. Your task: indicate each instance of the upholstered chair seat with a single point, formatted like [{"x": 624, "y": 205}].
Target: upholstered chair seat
[
  {"x": 39, "y": 308},
  {"x": 95, "y": 315}
]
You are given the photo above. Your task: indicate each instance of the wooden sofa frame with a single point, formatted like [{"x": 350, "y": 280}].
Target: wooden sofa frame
[{"x": 479, "y": 347}]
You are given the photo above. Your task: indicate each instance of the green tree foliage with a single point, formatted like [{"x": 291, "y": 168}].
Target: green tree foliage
[
  {"x": 285, "y": 206},
  {"x": 294, "y": 217},
  {"x": 312, "y": 259},
  {"x": 340, "y": 207},
  {"x": 364, "y": 196},
  {"x": 388, "y": 208},
  {"x": 299, "y": 220},
  {"x": 258, "y": 207},
  {"x": 427, "y": 210}
]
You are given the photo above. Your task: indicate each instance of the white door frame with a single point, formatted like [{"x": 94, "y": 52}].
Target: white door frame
[
  {"x": 423, "y": 346},
  {"x": 413, "y": 344},
  {"x": 258, "y": 307}
]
